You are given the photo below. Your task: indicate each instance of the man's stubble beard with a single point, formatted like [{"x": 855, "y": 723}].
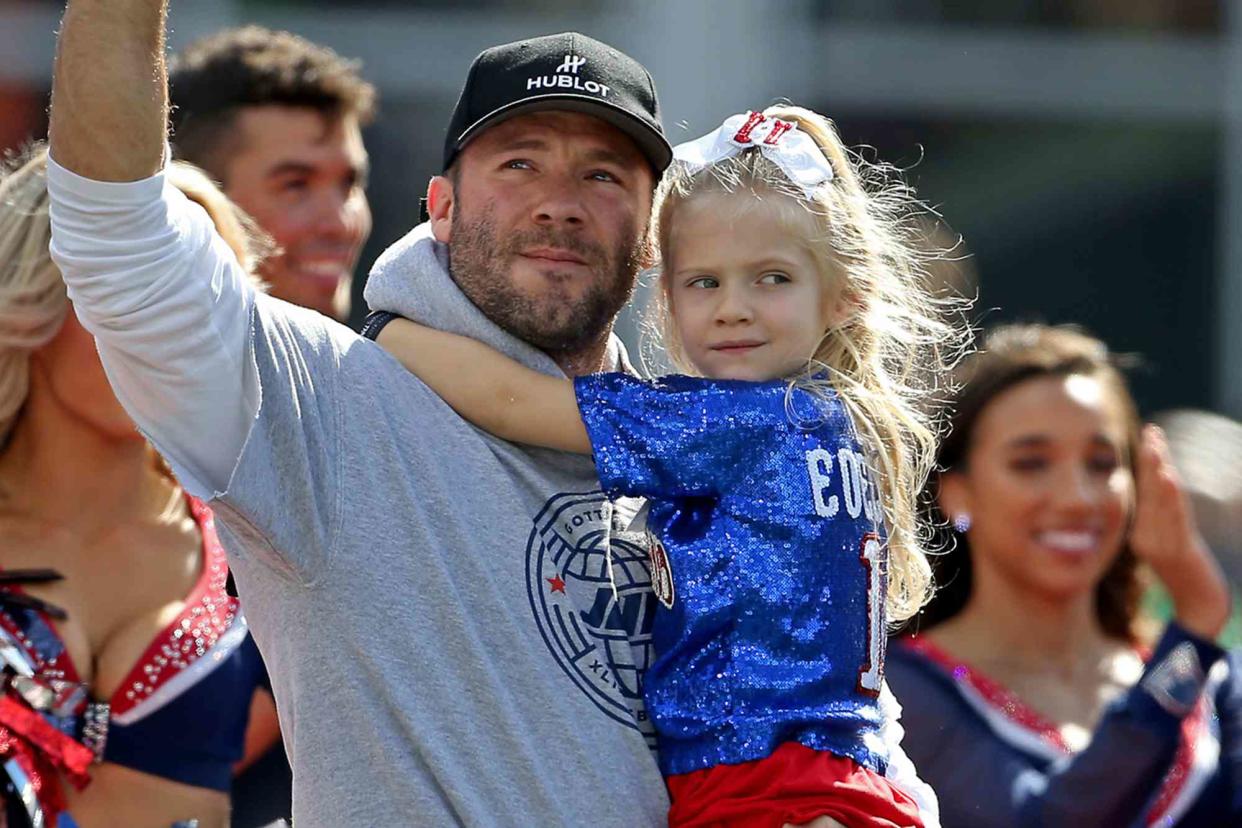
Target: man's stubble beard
[{"x": 561, "y": 325}]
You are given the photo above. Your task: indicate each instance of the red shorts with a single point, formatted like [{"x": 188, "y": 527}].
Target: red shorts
[{"x": 795, "y": 784}]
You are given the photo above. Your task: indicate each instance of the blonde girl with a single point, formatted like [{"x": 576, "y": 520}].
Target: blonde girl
[{"x": 781, "y": 468}]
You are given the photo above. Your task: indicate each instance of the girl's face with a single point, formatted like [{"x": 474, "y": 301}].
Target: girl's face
[
  {"x": 747, "y": 298},
  {"x": 1046, "y": 486}
]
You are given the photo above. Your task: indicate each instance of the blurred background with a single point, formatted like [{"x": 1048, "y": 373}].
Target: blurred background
[{"x": 1088, "y": 152}]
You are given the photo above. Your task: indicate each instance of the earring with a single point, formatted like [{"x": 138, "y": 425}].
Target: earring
[{"x": 961, "y": 523}]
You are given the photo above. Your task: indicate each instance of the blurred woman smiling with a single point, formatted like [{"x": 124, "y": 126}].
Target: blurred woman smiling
[{"x": 1031, "y": 697}]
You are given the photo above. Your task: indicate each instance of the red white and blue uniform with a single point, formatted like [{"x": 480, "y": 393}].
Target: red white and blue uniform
[
  {"x": 1167, "y": 752},
  {"x": 180, "y": 713},
  {"x": 765, "y": 689}
]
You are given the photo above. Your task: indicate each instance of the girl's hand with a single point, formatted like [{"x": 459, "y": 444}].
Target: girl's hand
[{"x": 1164, "y": 535}]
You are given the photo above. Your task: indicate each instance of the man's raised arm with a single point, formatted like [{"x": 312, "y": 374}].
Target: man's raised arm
[
  {"x": 110, "y": 95},
  {"x": 167, "y": 300}
]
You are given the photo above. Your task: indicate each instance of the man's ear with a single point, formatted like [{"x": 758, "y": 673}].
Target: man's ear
[{"x": 440, "y": 203}]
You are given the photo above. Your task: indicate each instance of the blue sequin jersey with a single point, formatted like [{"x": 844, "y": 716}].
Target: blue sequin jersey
[{"x": 769, "y": 567}]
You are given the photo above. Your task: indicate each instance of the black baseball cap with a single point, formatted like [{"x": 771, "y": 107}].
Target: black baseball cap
[{"x": 567, "y": 71}]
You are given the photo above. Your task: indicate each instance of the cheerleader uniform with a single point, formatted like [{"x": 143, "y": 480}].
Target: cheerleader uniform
[{"x": 180, "y": 714}]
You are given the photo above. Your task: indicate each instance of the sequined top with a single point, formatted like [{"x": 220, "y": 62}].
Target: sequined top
[
  {"x": 180, "y": 713},
  {"x": 768, "y": 568}
]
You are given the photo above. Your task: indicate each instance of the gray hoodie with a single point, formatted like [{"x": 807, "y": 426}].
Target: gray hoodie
[{"x": 455, "y": 626}]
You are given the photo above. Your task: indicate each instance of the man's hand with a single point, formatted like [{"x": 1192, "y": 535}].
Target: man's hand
[{"x": 109, "y": 90}]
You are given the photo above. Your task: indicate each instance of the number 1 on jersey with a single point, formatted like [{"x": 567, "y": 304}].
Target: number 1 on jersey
[{"x": 871, "y": 674}]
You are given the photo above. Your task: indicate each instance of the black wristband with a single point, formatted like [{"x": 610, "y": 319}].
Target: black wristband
[{"x": 375, "y": 322}]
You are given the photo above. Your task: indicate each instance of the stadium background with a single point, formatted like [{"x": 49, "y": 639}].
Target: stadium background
[{"x": 1089, "y": 152}]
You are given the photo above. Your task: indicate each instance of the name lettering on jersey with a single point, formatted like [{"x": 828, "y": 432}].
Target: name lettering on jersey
[
  {"x": 566, "y": 77},
  {"x": 851, "y": 483},
  {"x": 819, "y": 466},
  {"x": 851, "y": 486}
]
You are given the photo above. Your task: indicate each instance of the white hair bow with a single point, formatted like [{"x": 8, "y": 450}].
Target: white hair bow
[{"x": 791, "y": 149}]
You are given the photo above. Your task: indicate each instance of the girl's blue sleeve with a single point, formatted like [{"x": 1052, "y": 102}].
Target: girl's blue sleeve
[{"x": 677, "y": 436}]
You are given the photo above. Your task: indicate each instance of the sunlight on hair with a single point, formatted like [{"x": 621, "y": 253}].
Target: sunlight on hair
[{"x": 33, "y": 302}]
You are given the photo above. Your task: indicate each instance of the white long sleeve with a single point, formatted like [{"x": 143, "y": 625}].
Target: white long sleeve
[{"x": 170, "y": 308}]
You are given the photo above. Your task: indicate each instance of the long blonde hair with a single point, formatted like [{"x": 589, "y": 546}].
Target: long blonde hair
[
  {"x": 33, "y": 301},
  {"x": 889, "y": 360}
]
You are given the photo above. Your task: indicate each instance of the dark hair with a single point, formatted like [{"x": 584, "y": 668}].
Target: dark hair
[
  {"x": 1011, "y": 355},
  {"x": 252, "y": 66}
]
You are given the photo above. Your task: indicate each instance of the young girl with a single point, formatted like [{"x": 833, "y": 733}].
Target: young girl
[{"x": 780, "y": 479}]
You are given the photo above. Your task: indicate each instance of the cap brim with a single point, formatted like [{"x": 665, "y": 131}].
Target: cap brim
[{"x": 650, "y": 143}]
